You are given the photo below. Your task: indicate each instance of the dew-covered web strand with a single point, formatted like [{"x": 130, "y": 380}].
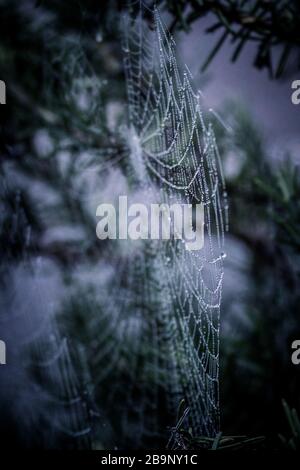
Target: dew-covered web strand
[
  {"x": 182, "y": 162},
  {"x": 162, "y": 309}
]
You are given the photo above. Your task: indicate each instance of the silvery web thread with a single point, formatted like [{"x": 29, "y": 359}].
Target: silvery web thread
[
  {"x": 166, "y": 303},
  {"x": 46, "y": 359},
  {"x": 181, "y": 153},
  {"x": 65, "y": 408},
  {"x": 72, "y": 412}
]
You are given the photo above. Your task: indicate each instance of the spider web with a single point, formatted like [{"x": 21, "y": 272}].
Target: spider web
[
  {"x": 68, "y": 418},
  {"x": 164, "y": 302},
  {"x": 50, "y": 401},
  {"x": 156, "y": 338}
]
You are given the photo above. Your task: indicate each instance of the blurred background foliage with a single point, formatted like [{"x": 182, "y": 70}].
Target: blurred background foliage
[
  {"x": 269, "y": 24},
  {"x": 62, "y": 64}
]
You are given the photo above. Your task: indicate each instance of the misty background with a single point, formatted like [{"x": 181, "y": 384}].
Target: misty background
[{"x": 53, "y": 274}]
